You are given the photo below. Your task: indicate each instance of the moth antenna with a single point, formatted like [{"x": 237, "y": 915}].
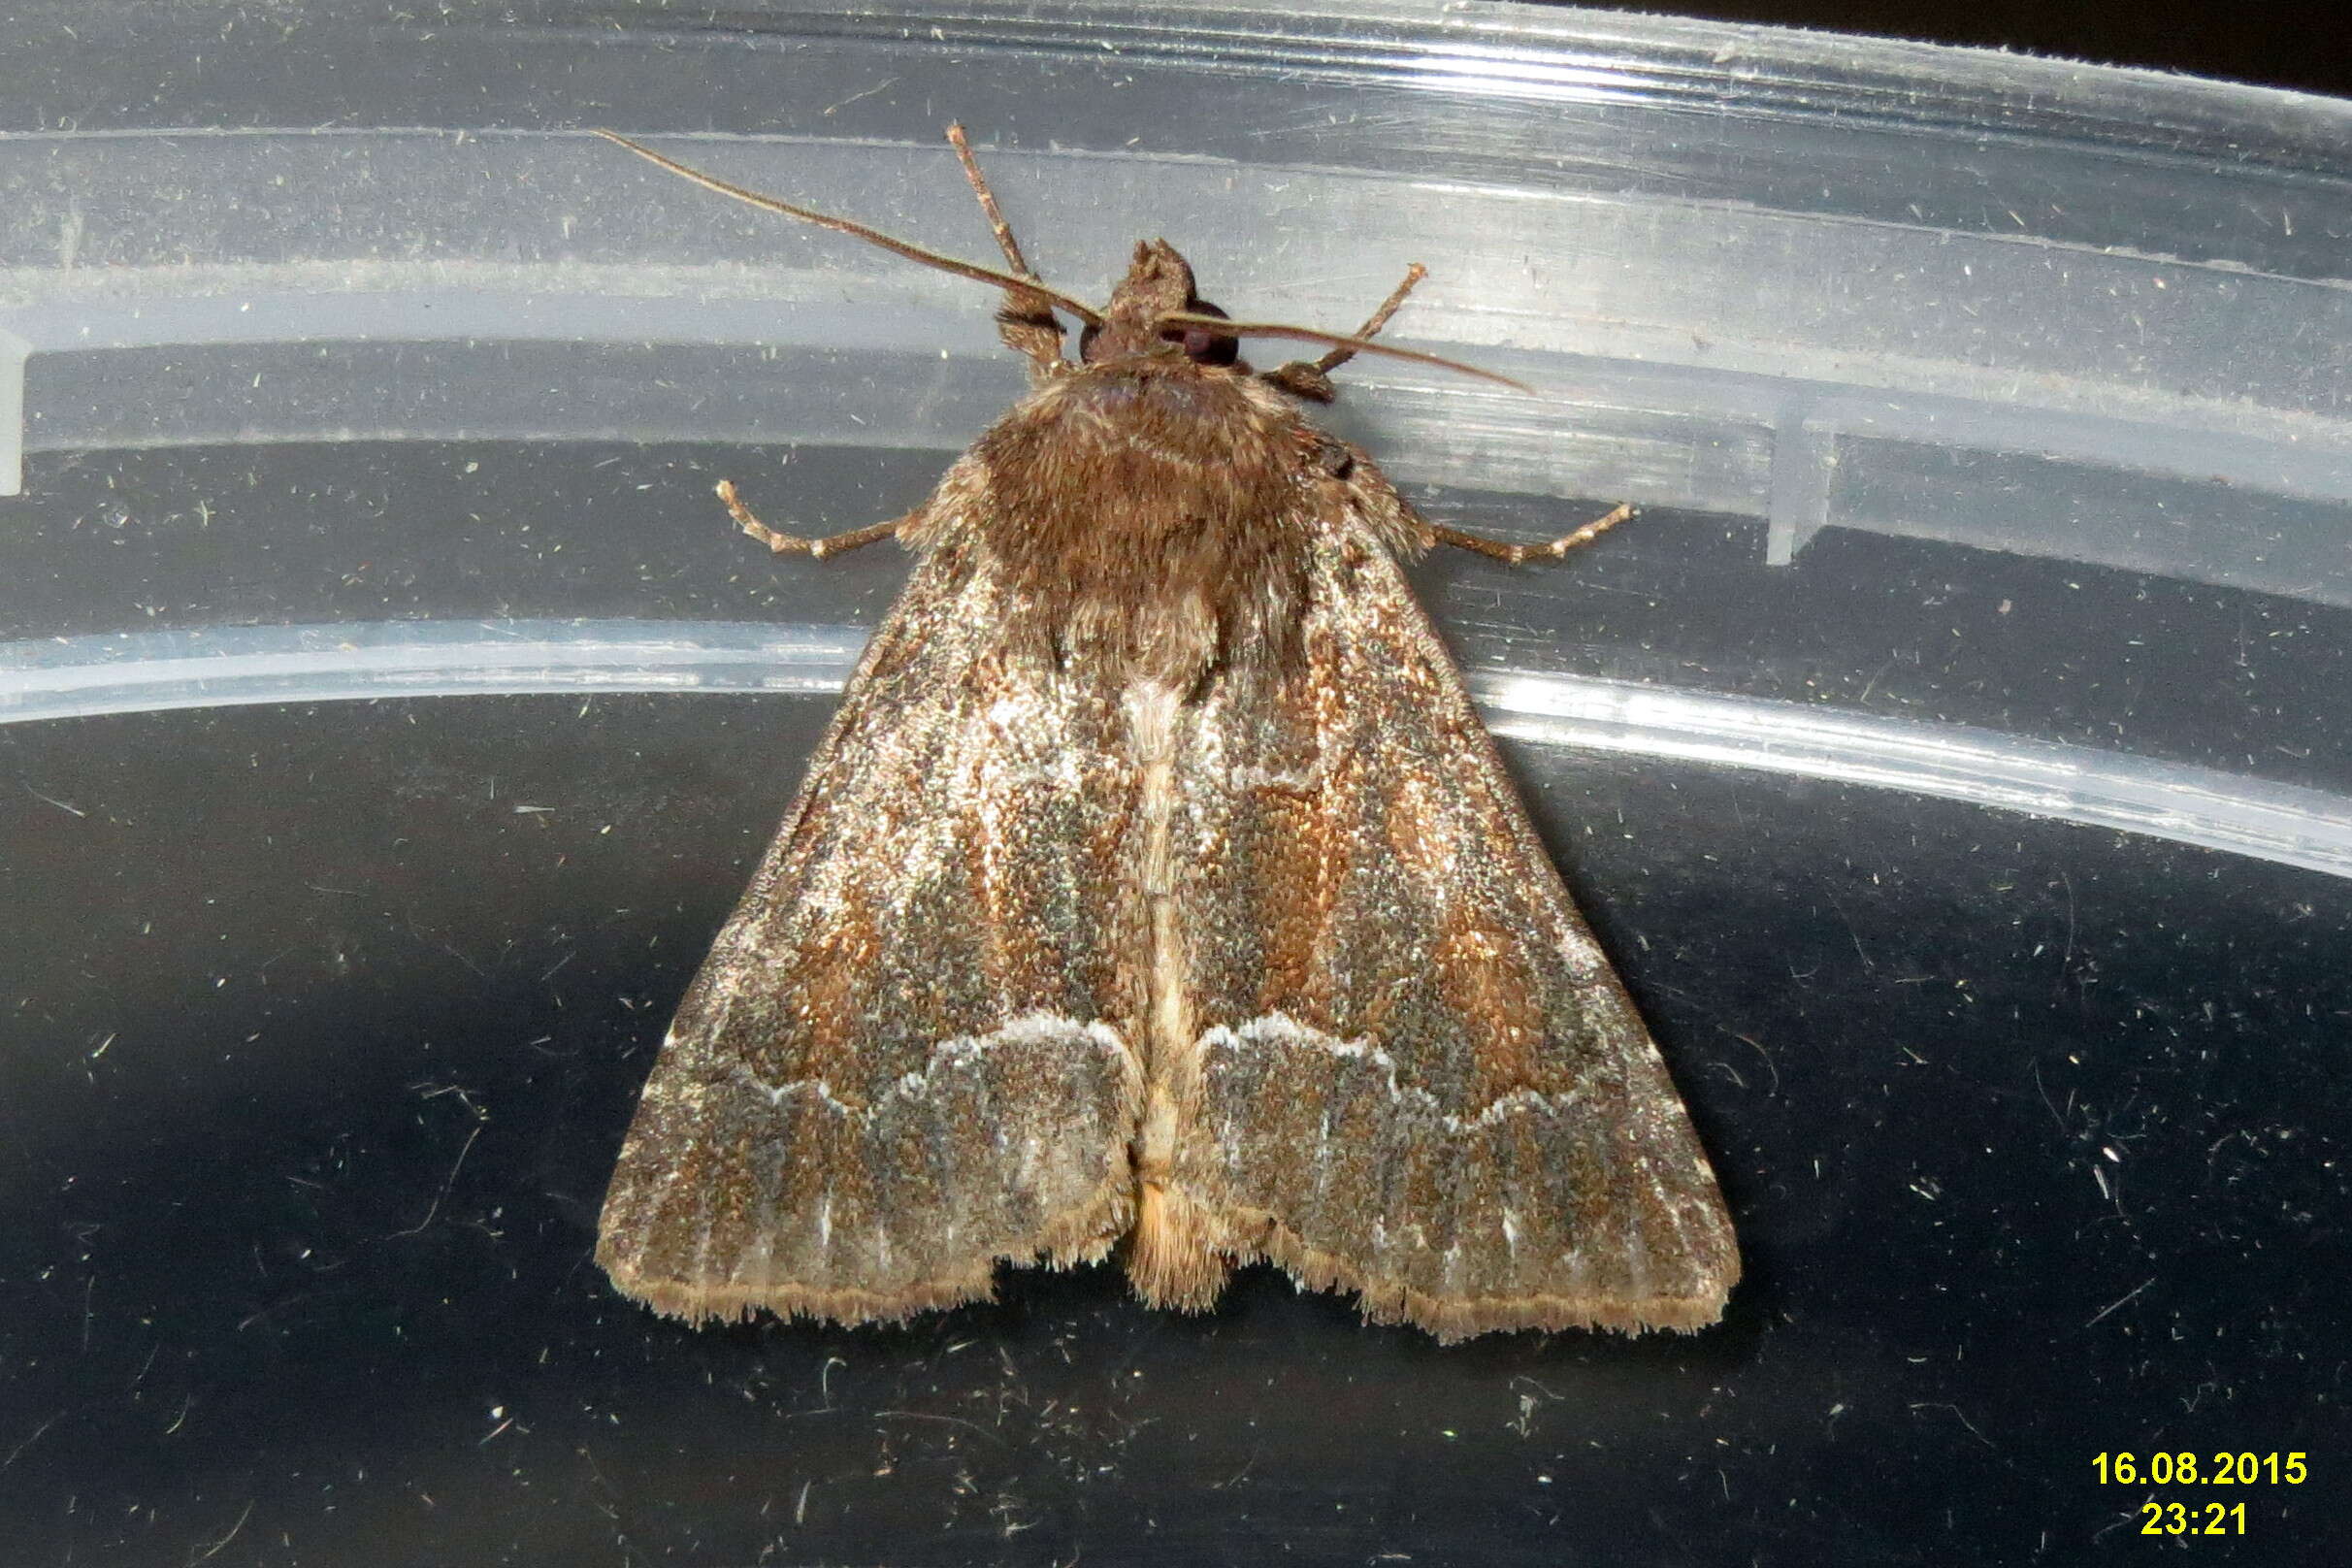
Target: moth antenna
[
  {"x": 856, "y": 230},
  {"x": 1027, "y": 322},
  {"x": 1337, "y": 339},
  {"x": 1005, "y": 241}
]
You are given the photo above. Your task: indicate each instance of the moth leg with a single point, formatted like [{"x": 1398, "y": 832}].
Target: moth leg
[
  {"x": 1026, "y": 323},
  {"x": 1514, "y": 554},
  {"x": 790, "y": 543},
  {"x": 1311, "y": 378}
]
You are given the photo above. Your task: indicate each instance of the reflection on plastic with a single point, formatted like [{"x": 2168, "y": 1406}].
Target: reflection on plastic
[{"x": 78, "y": 677}]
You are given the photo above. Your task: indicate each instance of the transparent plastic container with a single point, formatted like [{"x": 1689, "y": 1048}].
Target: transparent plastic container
[{"x": 1952, "y": 756}]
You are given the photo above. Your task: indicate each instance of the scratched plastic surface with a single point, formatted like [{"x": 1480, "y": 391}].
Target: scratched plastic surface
[{"x": 1952, "y": 756}]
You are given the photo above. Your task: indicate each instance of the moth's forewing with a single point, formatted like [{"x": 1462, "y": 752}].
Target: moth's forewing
[
  {"x": 1419, "y": 1078},
  {"x": 904, "y": 1059}
]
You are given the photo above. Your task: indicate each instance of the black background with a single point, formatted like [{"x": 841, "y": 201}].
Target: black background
[
  {"x": 327, "y": 1019},
  {"x": 2297, "y": 45},
  {"x": 318, "y": 1052}
]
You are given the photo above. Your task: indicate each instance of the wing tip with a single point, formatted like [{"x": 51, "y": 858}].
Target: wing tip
[
  {"x": 718, "y": 1301},
  {"x": 1086, "y": 1236},
  {"x": 1451, "y": 1320}
]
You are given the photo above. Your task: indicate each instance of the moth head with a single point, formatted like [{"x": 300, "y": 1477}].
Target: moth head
[{"x": 1157, "y": 283}]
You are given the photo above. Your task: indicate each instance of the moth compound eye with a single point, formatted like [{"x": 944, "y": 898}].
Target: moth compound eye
[
  {"x": 1085, "y": 343},
  {"x": 1205, "y": 347},
  {"x": 1202, "y": 345}
]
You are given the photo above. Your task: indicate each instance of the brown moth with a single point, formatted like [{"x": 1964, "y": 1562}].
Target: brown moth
[{"x": 1157, "y": 888}]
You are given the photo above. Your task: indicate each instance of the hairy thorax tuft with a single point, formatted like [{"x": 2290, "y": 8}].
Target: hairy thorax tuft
[{"x": 1153, "y": 513}]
